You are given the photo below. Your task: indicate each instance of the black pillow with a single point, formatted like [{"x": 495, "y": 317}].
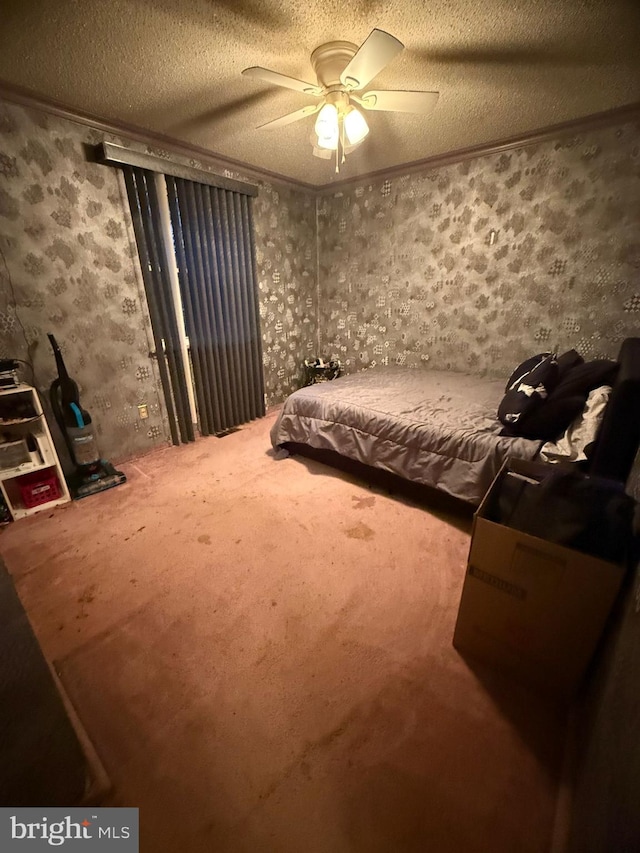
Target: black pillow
[
  {"x": 549, "y": 421},
  {"x": 585, "y": 377},
  {"x": 528, "y": 391},
  {"x": 526, "y": 367},
  {"x": 567, "y": 361}
]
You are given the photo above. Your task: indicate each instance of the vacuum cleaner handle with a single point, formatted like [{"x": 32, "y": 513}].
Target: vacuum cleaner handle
[
  {"x": 66, "y": 388},
  {"x": 62, "y": 370}
]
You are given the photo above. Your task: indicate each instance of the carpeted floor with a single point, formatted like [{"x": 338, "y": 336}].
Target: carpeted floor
[{"x": 260, "y": 650}]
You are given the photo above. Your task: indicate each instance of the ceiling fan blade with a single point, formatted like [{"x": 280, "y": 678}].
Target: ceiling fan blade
[
  {"x": 222, "y": 112},
  {"x": 291, "y": 117},
  {"x": 278, "y": 79},
  {"x": 398, "y": 102},
  {"x": 507, "y": 55},
  {"x": 376, "y": 51}
]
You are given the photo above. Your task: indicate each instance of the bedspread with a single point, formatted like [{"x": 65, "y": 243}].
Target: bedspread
[{"x": 438, "y": 428}]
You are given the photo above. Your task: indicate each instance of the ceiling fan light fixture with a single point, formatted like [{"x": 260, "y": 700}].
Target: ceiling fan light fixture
[
  {"x": 330, "y": 142},
  {"x": 344, "y": 71},
  {"x": 355, "y": 126},
  {"x": 322, "y": 153},
  {"x": 327, "y": 127}
]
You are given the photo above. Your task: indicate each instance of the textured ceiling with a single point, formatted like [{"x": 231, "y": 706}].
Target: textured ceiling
[{"x": 502, "y": 67}]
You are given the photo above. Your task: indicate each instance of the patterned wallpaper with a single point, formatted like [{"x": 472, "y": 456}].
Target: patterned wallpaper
[
  {"x": 285, "y": 224},
  {"x": 476, "y": 265},
  {"x": 69, "y": 266}
]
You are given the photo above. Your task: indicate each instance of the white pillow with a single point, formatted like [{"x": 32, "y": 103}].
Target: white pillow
[{"x": 582, "y": 432}]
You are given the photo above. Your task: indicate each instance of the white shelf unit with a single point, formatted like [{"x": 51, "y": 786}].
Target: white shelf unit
[{"x": 24, "y": 397}]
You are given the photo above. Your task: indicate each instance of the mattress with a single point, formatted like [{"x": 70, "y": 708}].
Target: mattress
[{"x": 437, "y": 428}]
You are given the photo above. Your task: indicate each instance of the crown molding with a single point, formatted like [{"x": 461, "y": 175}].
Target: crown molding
[
  {"x": 27, "y": 98},
  {"x": 618, "y": 115}
]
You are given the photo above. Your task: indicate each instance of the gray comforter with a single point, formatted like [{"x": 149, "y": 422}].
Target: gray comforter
[{"x": 434, "y": 427}]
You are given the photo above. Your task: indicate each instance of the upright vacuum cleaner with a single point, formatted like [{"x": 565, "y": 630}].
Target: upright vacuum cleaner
[{"x": 92, "y": 474}]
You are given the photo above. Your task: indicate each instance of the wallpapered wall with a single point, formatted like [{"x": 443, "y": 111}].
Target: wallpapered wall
[
  {"x": 409, "y": 273},
  {"x": 69, "y": 266},
  {"x": 286, "y": 259}
]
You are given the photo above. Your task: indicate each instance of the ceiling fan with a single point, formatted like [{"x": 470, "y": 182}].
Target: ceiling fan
[{"x": 343, "y": 69}]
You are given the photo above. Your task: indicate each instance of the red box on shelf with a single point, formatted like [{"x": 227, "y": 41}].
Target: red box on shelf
[{"x": 39, "y": 487}]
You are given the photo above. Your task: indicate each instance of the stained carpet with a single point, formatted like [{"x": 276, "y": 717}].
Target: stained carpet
[{"x": 260, "y": 650}]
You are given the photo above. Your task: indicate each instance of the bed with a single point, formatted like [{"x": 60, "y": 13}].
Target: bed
[{"x": 440, "y": 429}]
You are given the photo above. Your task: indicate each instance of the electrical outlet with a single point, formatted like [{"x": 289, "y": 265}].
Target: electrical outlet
[{"x": 143, "y": 411}]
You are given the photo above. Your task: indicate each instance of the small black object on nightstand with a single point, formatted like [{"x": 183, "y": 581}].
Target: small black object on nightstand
[{"x": 319, "y": 370}]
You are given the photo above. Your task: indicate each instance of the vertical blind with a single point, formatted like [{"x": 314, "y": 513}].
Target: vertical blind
[
  {"x": 213, "y": 240},
  {"x": 145, "y": 214},
  {"x": 213, "y": 236}
]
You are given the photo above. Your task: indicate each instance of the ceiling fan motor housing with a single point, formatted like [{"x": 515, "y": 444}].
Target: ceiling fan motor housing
[{"x": 329, "y": 61}]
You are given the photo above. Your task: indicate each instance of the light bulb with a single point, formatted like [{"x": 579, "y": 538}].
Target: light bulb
[
  {"x": 327, "y": 122},
  {"x": 327, "y": 127},
  {"x": 355, "y": 126}
]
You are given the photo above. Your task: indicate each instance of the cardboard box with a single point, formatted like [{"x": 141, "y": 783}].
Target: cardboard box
[{"x": 531, "y": 608}]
